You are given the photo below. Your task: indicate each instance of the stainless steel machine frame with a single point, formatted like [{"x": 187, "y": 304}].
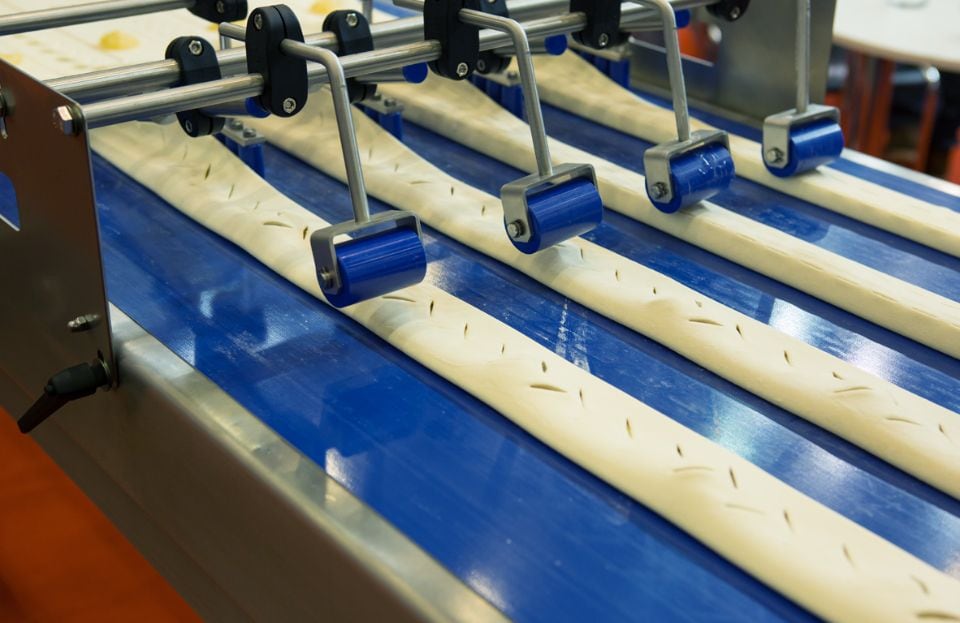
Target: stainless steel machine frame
[
  {"x": 743, "y": 85},
  {"x": 243, "y": 525}
]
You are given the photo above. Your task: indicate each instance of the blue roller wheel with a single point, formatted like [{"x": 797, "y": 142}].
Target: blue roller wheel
[
  {"x": 561, "y": 212},
  {"x": 697, "y": 176},
  {"x": 378, "y": 264},
  {"x": 811, "y": 145}
]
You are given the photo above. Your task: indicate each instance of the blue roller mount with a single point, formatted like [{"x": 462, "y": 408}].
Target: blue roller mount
[
  {"x": 392, "y": 122},
  {"x": 377, "y": 264},
  {"x": 619, "y": 71},
  {"x": 811, "y": 145},
  {"x": 511, "y": 97},
  {"x": 251, "y": 155},
  {"x": 560, "y": 213}
]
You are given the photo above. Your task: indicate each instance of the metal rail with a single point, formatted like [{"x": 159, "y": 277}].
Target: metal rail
[{"x": 155, "y": 75}]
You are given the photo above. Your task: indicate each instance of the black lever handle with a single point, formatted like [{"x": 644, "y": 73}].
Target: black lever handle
[{"x": 70, "y": 384}]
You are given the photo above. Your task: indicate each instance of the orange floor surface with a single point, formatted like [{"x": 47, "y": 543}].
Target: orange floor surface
[{"x": 61, "y": 560}]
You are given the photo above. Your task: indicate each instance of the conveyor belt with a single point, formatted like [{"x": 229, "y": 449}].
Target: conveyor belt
[{"x": 533, "y": 533}]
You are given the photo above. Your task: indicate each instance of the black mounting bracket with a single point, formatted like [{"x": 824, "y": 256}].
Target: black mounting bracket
[
  {"x": 220, "y": 10},
  {"x": 353, "y": 37},
  {"x": 198, "y": 63},
  {"x": 459, "y": 42},
  {"x": 603, "y": 23},
  {"x": 285, "y": 77}
]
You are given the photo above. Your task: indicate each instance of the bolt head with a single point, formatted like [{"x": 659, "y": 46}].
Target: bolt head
[
  {"x": 603, "y": 40},
  {"x": 481, "y": 65},
  {"x": 659, "y": 190},
  {"x": 515, "y": 229},
  {"x": 735, "y": 13},
  {"x": 188, "y": 126},
  {"x": 258, "y": 21},
  {"x": 389, "y": 102},
  {"x": 195, "y": 47},
  {"x": 463, "y": 69},
  {"x": 249, "y": 132},
  {"x": 236, "y": 124},
  {"x": 64, "y": 119},
  {"x": 221, "y": 7},
  {"x": 774, "y": 155},
  {"x": 289, "y": 105},
  {"x": 352, "y": 20}
]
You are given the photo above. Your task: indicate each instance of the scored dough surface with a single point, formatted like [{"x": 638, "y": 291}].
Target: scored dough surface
[
  {"x": 571, "y": 83},
  {"x": 918, "y": 436},
  {"x": 892, "y": 303},
  {"x": 827, "y": 563},
  {"x": 818, "y": 558}
]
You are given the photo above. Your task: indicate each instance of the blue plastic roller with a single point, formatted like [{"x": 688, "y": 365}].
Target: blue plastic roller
[
  {"x": 375, "y": 265},
  {"x": 558, "y": 213},
  {"x": 695, "y": 176},
  {"x": 809, "y": 146},
  {"x": 809, "y": 135}
]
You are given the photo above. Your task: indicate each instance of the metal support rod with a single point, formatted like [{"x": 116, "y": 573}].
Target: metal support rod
[
  {"x": 803, "y": 55},
  {"x": 366, "y": 7},
  {"x": 162, "y": 74},
  {"x": 671, "y": 41},
  {"x": 344, "y": 114},
  {"x": 528, "y": 80},
  {"x": 83, "y": 13}
]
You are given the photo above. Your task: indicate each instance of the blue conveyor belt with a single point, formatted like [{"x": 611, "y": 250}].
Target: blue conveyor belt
[{"x": 536, "y": 535}]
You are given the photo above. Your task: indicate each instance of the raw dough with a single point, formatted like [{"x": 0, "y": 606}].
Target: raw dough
[
  {"x": 902, "y": 307},
  {"x": 813, "y": 555},
  {"x": 571, "y": 83},
  {"x": 918, "y": 436}
]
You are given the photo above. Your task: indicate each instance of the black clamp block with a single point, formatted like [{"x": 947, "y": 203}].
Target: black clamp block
[
  {"x": 65, "y": 386},
  {"x": 459, "y": 42},
  {"x": 353, "y": 37},
  {"x": 285, "y": 77},
  {"x": 730, "y": 10},
  {"x": 197, "y": 60},
  {"x": 603, "y": 23},
  {"x": 490, "y": 62},
  {"x": 217, "y": 11}
]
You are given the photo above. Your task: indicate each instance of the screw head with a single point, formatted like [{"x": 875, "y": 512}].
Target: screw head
[
  {"x": 659, "y": 190},
  {"x": 775, "y": 155},
  {"x": 258, "y": 21},
  {"x": 735, "y": 13},
  {"x": 289, "y": 105},
  {"x": 481, "y": 65},
  {"x": 221, "y": 7},
  {"x": 63, "y": 118},
  {"x": 83, "y": 323},
  {"x": 389, "y": 102},
  {"x": 352, "y": 20},
  {"x": 463, "y": 69},
  {"x": 512, "y": 75},
  {"x": 236, "y": 124},
  {"x": 515, "y": 229},
  {"x": 195, "y": 47},
  {"x": 188, "y": 126},
  {"x": 603, "y": 40},
  {"x": 249, "y": 133}
]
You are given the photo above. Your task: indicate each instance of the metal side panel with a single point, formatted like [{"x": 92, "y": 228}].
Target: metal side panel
[
  {"x": 243, "y": 525},
  {"x": 51, "y": 269}
]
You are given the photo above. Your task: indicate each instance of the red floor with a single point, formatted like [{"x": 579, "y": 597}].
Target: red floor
[{"x": 60, "y": 559}]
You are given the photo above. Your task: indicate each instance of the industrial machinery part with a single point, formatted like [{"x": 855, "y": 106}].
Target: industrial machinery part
[
  {"x": 698, "y": 164},
  {"x": 809, "y": 135}
]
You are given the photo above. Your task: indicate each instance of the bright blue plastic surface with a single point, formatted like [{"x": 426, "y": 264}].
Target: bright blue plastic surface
[
  {"x": 696, "y": 176},
  {"x": 536, "y": 535},
  {"x": 810, "y": 146},
  {"x": 559, "y": 213},
  {"x": 377, "y": 264}
]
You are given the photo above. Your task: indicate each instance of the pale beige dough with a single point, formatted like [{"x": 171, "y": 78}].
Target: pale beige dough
[
  {"x": 811, "y": 554},
  {"x": 823, "y": 561},
  {"x": 571, "y": 83},
  {"x": 902, "y": 307},
  {"x": 918, "y": 436}
]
